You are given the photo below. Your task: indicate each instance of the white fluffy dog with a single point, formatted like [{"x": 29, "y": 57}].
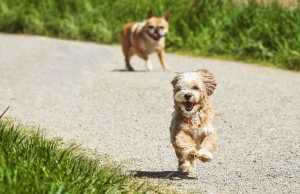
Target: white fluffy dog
[{"x": 192, "y": 127}]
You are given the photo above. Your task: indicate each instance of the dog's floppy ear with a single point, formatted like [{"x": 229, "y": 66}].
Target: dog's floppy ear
[
  {"x": 166, "y": 15},
  {"x": 208, "y": 80},
  {"x": 150, "y": 14},
  {"x": 176, "y": 78}
]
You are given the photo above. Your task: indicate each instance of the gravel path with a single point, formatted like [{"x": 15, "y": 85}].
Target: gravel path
[{"x": 77, "y": 91}]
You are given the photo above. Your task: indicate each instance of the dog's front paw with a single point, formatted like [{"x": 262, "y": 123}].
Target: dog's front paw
[
  {"x": 205, "y": 155},
  {"x": 149, "y": 66},
  {"x": 167, "y": 69},
  {"x": 186, "y": 168},
  {"x": 208, "y": 129},
  {"x": 193, "y": 155},
  {"x": 190, "y": 155}
]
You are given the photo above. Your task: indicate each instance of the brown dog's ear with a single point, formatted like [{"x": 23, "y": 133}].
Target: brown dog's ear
[
  {"x": 208, "y": 80},
  {"x": 166, "y": 15},
  {"x": 150, "y": 14}
]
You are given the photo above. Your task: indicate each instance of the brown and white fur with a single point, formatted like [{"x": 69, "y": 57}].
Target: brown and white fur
[
  {"x": 192, "y": 128},
  {"x": 144, "y": 39}
]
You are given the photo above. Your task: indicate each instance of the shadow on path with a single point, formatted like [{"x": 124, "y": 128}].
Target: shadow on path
[
  {"x": 124, "y": 70},
  {"x": 171, "y": 175}
]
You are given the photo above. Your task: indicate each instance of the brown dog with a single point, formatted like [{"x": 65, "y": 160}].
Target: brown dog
[
  {"x": 192, "y": 128},
  {"x": 145, "y": 38}
]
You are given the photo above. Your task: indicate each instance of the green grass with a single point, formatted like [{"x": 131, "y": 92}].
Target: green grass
[
  {"x": 268, "y": 34},
  {"x": 29, "y": 163}
]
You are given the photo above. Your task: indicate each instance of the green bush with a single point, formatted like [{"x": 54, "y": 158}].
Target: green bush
[{"x": 204, "y": 27}]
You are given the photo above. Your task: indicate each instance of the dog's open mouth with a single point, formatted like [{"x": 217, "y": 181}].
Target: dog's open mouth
[
  {"x": 156, "y": 36},
  {"x": 188, "y": 106}
]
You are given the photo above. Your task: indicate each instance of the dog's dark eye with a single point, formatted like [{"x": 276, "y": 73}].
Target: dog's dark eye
[
  {"x": 195, "y": 88},
  {"x": 161, "y": 27},
  {"x": 151, "y": 27}
]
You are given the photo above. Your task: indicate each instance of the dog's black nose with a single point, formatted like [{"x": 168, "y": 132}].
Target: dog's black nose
[{"x": 187, "y": 96}]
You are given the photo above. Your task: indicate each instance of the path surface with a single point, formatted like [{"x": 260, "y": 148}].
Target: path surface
[{"x": 76, "y": 91}]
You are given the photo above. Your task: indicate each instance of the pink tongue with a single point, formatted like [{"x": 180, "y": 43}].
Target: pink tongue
[
  {"x": 188, "y": 105},
  {"x": 155, "y": 35}
]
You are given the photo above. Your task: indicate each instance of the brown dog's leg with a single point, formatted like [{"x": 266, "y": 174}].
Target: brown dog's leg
[
  {"x": 127, "y": 59},
  {"x": 208, "y": 146},
  {"x": 127, "y": 49},
  {"x": 161, "y": 56},
  {"x": 149, "y": 66},
  {"x": 185, "y": 149}
]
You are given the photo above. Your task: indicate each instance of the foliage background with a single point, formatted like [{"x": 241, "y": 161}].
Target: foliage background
[{"x": 253, "y": 32}]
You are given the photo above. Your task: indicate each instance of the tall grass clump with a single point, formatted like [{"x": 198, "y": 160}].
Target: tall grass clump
[
  {"x": 268, "y": 33},
  {"x": 31, "y": 164}
]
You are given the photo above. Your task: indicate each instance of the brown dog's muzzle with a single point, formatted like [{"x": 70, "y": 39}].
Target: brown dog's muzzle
[{"x": 155, "y": 35}]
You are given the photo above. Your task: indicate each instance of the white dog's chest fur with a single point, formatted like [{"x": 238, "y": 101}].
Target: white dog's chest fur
[{"x": 196, "y": 128}]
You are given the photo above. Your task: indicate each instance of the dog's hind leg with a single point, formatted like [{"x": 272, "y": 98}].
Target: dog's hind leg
[
  {"x": 127, "y": 49},
  {"x": 185, "y": 149},
  {"x": 127, "y": 59}
]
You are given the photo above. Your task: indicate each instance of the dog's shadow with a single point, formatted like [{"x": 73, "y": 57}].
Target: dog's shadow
[
  {"x": 125, "y": 70},
  {"x": 170, "y": 175}
]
